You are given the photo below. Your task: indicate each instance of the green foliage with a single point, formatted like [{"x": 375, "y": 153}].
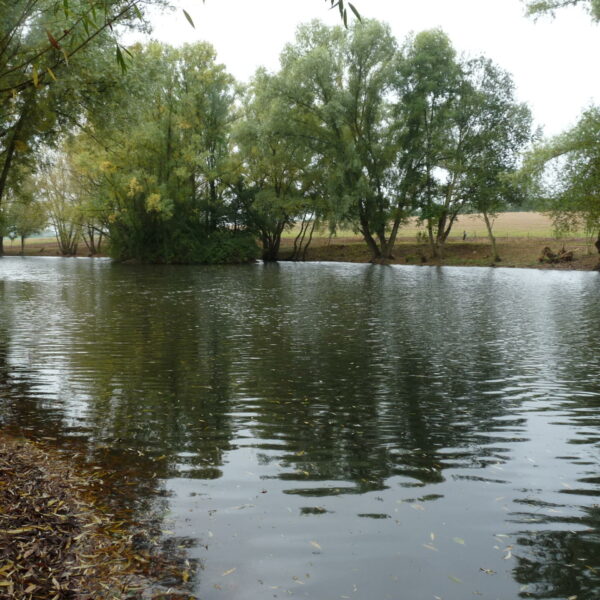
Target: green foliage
[
  {"x": 159, "y": 185},
  {"x": 461, "y": 133},
  {"x": 565, "y": 174},
  {"x": 541, "y": 7}
]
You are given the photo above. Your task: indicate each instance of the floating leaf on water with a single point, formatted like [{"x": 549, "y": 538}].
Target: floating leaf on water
[
  {"x": 487, "y": 571},
  {"x": 458, "y": 540},
  {"x": 417, "y": 506},
  {"x": 229, "y": 572},
  {"x": 432, "y": 536},
  {"x": 430, "y": 547},
  {"x": 455, "y": 579},
  {"x": 508, "y": 555},
  {"x": 316, "y": 545}
]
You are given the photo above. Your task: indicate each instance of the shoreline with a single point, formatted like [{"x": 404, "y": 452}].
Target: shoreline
[
  {"x": 58, "y": 540},
  {"x": 515, "y": 253}
]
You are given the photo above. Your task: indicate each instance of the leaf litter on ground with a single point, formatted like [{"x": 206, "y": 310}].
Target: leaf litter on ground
[{"x": 58, "y": 542}]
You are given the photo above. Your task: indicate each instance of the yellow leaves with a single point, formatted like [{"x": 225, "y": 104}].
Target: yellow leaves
[
  {"x": 23, "y": 530},
  {"x": 153, "y": 204},
  {"x": 51, "y": 73},
  {"x": 229, "y": 572},
  {"x": 134, "y": 187},
  {"x": 107, "y": 167},
  {"x": 316, "y": 545},
  {"x": 34, "y": 76}
]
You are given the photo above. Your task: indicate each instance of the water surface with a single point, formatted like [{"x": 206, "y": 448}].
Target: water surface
[{"x": 328, "y": 431}]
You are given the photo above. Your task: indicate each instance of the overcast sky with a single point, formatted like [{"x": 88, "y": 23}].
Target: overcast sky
[{"x": 554, "y": 62}]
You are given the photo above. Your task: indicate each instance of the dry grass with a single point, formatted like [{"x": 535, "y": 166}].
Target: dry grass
[{"x": 510, "y": 225}]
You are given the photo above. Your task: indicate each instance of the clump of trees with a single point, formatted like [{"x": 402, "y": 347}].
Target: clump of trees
[
  {"x": 353, "y": 129},
  {"x": 178, "y": 163},
  {"x": 171, "y": 160}
]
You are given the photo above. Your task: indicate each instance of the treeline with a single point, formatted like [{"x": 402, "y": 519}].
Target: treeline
[{"x": 173, "y": 161}]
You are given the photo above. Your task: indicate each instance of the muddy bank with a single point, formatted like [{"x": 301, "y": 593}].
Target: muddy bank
[{"x": 58, "y": 541}]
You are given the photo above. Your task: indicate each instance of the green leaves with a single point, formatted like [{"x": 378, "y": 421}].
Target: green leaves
[
  {"x": 541, "y": 7},
  {"x": 120, "y": 60},
  {"x": 187, "y": 16},
  {"x": 343, "y": 11}
]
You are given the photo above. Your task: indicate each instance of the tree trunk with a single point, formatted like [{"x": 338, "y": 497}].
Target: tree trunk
[
  {"x": 312, "y": 230},
  {"x": 271, "y": 243},
  {"x": 597, "y": 243},
  {"x": 299, "y": 239},
  {"x": 10, "y": 150},
  {"x": 488, "y": 225},
  {"x": 366, "y": 233},
  {"x": 22, "y": 245},
  {"x": 432, "y": 244}
]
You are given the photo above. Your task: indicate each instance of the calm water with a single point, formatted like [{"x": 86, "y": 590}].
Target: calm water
[{"x": 328, "y": 431}]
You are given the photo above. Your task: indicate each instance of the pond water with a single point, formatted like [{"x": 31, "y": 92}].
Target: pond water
[{"x": 327, "y": 431}]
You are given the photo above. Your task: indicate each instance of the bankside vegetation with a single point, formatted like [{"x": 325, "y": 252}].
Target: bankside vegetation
[{"x": 169, "y": 159}]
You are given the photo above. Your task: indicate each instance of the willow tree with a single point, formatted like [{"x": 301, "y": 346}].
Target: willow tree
[
  {"x": 164, "y": 135},
  {"x": 274, "y": 166},
  {"x": 49, "y": 65},
  {"x": 461, "y": 134},
  {"x": 335, "y": 84}
]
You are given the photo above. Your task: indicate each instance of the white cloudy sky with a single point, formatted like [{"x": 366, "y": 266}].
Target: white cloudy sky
[{"x": 554, "y": 62}]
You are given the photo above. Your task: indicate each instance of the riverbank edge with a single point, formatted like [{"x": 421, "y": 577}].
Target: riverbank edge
[
  {"x": 521, "y": 253},
  {"x": 57, "y": 540}
]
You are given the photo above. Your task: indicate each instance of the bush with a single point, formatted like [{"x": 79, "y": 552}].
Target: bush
[{"x": 166, "y": 243}]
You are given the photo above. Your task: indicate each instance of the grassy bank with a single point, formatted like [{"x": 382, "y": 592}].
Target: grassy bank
[
  {"x": 521, "y": 238},
  {"x": 514, "y": 252}
]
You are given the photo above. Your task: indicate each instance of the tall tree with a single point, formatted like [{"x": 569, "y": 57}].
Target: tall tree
[
  {"x": 273, "y": 165},
  {"x": 429, "y": 82},
  {"x": 160, "y": 174},
  {"x": 463, "y": 133},
  {"x": 335, "y": 84}
]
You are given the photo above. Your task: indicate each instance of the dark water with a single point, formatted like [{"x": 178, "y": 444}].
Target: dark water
[{"x": 328, "y": 431}]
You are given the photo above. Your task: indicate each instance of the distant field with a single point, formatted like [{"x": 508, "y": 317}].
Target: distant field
[{"x": 509, "y": 225}]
